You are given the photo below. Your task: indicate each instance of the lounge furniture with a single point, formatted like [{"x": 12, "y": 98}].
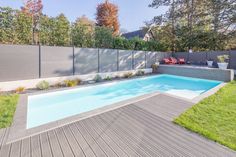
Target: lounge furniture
[
  {"x": 181, "y": 60},
  {"x": 173, "y": 60},
  {"x": 166, "y": 61}
]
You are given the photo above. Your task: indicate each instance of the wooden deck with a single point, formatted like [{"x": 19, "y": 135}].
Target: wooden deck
[{"x": 140, "y": 129}]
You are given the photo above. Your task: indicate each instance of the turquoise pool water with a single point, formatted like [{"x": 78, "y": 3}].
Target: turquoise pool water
[{"x": 49, "y": 107}]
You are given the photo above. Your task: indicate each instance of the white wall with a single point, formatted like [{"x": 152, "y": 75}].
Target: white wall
[{"x": 12, "y": 85}]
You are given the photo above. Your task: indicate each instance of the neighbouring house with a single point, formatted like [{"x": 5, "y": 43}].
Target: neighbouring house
[{"x": 144, "y": 34}]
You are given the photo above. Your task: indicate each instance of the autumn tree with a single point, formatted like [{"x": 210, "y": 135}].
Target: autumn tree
[
  {"x": 34, "y": 9},
  {"x": 107, "y": 16}
]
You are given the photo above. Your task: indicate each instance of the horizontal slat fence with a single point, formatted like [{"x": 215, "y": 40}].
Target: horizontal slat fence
[{"x": 20, "y": 62}]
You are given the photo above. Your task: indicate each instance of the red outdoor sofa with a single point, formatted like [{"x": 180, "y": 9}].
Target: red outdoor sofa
[{"x": 173, "y": 60}]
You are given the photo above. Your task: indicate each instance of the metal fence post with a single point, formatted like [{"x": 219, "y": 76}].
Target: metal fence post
[
  {"x": 145, "y": 59},
  {"x": 39, "y": 61},
  {"x": 230, "y": 59},
  {"x": 98, "y": 61},
  {"x": 73, "y": 61},
  {"x": 118, "y": 60},
  {"x": 132, "y": 60}
]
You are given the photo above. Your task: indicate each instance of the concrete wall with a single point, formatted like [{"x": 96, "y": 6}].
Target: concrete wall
[
  {"x": 198, "y": 72},
  {"x": 233, "y": 60},
  {"x": 18, "y": 62}
]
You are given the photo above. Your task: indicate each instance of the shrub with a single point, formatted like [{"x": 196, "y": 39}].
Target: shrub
[
  {"x": 72, "y": 83},
  {"x": 140, "y": 73},
  {"x": 58, "y": 85},
  {"x": 128, "y": 75},
  {"x": 154, "y": 68},
  {"x": 20, "y": 89},
  {"x": 108, "y": 78},
  {"x": 97, "y": 78},
  {"x": 43, "y": 85},
  {"x": 140, "y": 44},
  {"x": 118, "y": 43},
  {"x": 222, "y": 58},
  {"x": 128, "y": 44},
  {"x": 103, "y": 37}
]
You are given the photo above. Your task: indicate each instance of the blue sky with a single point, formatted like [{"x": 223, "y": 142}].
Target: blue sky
[{"x": 132, "y": 13}]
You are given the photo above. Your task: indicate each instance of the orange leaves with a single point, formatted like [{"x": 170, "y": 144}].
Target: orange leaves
[{"x": 107, "y": 15}]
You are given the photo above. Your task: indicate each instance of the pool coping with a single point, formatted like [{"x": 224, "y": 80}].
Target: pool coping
[{"x": 18, "y": 129}]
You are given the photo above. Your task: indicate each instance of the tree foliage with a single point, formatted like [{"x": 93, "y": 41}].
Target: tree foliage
[
  {"x": 107, "y": 16},
  {"x": 61, "y": 31},
  {"x": 23, "y": 29},
  {"x": 103, "y": 37},
  {"x": 196, "y": 24},
  {"x": 34, "y": 9},
  {"x": 82, "y": 32},
  {"x": 15, "y": 26},
  {"x": 7, "y": 24}
]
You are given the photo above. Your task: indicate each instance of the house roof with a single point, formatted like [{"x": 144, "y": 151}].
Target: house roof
[{"x": 139, "y": 33}]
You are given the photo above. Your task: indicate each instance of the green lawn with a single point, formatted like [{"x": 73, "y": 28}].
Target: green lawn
[
  {"x": 7, "y": 109},
  {"x": 214, "y": 117}
]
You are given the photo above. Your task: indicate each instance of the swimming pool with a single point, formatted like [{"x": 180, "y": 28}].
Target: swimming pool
[{"x": 49, "y": 107}]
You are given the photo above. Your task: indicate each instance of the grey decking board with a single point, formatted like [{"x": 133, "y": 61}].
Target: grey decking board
[
  {"x": 5, "y": 150},
  {"x": 178, "y": 135},
  {"x": 35, "y": 146},
  {"x": 157, "y": 134},
  {"x": 130, "y": 138},
  {"x": 105, "y": 138},
  {"x": 46, "y": 148},
  {"x": 54, "y": 144},
  {"x": 106, "y": 148},
  {"x": 170, "y": 107},
  {"x": 130, "y": 125},
  {"x": 25, "y": 148},
  {"x": 4, "y": 137},
  {"x": 2, "y": 133},
  {"x": 93, "y": 144},
  {"x": 79, "y": 138},
  {"x": 73, "y": 144},
  {"x": 16, "y": 149},
  {"x": 126, "y": 148},
  {"x": 194, "y": 138},
  {"x": 65, "y": 147},
  {"x": 108, "y": 140}
]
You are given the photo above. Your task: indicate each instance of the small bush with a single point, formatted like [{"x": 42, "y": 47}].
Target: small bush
[
  {"x": 97, "y": 78},
  {"x": 128, "y": 75},
  {"x": 140, "y": 73},
  {"x": 58, "y": 85},
  {"x": 20, "y": 89},
  {"x": 222, "y": 58},
  {"x": 43, "y": 85},
  {"x": 108, "y": 78},
  {"x": 154, "y": 68},
  {"x": 72, "y": 83}
]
